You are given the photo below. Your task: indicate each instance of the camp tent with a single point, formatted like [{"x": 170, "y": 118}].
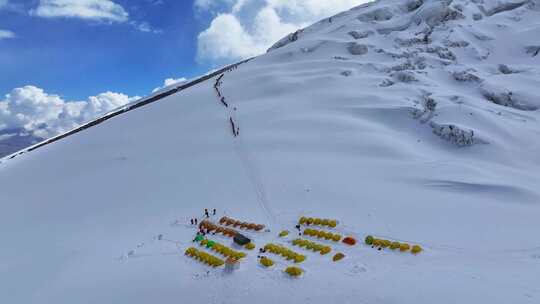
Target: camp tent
[
  {"x": 231, "y": 264},
  {"x": 349, "y": 241},
  {"x": 241, "y": 240}
]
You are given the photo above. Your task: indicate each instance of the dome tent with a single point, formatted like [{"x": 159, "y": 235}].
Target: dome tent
[
  {"x": 349, "y": 241},
  {"x": 294, "y": 271},
  {"x": 232, "y": 264},
  {"x": 241, "y": 239},
  {"x": 338, "y": 256},
  {"x": 266, "y": 262}
]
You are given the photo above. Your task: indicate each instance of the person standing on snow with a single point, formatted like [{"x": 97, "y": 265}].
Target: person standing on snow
[
  {"x": 299, "y": 229},
  {"x": 206, "y": 213}
]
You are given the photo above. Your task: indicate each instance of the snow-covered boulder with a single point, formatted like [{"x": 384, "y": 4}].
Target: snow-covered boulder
[
  {"x": 360, "y": 35},
  {"x": 518, "y": 98},
  {"x": 454, "y": 134},
  {"x": 357, "y": 49}
]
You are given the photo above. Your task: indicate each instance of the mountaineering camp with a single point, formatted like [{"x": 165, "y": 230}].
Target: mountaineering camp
[{"x": 226, "y": 243}]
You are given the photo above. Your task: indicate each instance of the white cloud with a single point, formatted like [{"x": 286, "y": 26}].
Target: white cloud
[
  {"x": 3, "y": 3},
  {"x": 203, "y": 4},
  {"x": 314, "y": 10},
  {"x": 156, "y": 2},
  {"x": 226, "y": 38},
  {"x": 105, "y": 10},
  {"x": 246, "y": 28},
  {"x": 236, "y": 5},
  {"x": 144, "y": 27},
  {"x": 209, "y": 4},
  {"x": 170, "y": 82},
  {"x": 4, "y": 34},
  {"x": 30, "y": 110}
]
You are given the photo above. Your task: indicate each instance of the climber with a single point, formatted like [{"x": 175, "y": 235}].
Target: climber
[
  {"x": 192, "y": 222},
  {"x": 299, "y": 229},
  {"x": 223, "y": 102},
  {"x": 195, "y": 221},
  {"x": 214, "y": 212},
  {"x": 233, "y": 126},
  {"x": 206, "y": 213}
]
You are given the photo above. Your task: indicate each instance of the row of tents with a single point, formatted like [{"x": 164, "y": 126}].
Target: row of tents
[{"x": 240, "y": 224}]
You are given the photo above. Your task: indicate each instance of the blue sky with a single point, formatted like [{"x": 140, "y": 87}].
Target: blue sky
[
  {"x": 64, "y": 62},
  {"x": 77, "y": 57}
]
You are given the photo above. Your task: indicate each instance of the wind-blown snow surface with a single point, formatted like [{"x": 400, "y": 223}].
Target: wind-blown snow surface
[{"x": 421, "y": 126}]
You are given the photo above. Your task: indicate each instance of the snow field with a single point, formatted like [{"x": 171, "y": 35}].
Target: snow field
[{"x": 363, "y": 137}]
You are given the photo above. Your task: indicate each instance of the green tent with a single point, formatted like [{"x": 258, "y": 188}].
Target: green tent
[{"x": 241, "y": 240}]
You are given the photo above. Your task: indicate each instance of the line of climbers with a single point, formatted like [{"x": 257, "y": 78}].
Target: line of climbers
[
  {"x": 218, "y": 84},
  {"x": 234, "y": 127},
  {"x": 224, "y": 102}
]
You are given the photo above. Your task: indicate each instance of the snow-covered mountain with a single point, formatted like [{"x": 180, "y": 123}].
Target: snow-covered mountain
[
  {"x": 415, "y": 121},
  {"x": 12, "y": 141}
]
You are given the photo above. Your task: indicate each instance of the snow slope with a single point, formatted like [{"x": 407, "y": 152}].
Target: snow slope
[{"x": 415, "y": 121}]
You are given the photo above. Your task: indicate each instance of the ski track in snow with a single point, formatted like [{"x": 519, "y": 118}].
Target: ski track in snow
[{"x": 254, "y": 176}]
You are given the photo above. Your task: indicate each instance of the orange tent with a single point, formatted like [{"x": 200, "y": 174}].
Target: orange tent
[{"x": 349, "y": 241}]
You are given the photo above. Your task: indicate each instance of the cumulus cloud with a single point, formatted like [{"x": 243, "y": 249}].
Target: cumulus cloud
[
  {"x": 105, "y": 10},
  {"x": 5, "y": 34},
  {"x": 169, "y": 82},
  {"x": 226, "y": 38},
  {"x": 244, "y": 28},
  {"x": 30, "y": 111},
  {"x": 202, "y": 4}
]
